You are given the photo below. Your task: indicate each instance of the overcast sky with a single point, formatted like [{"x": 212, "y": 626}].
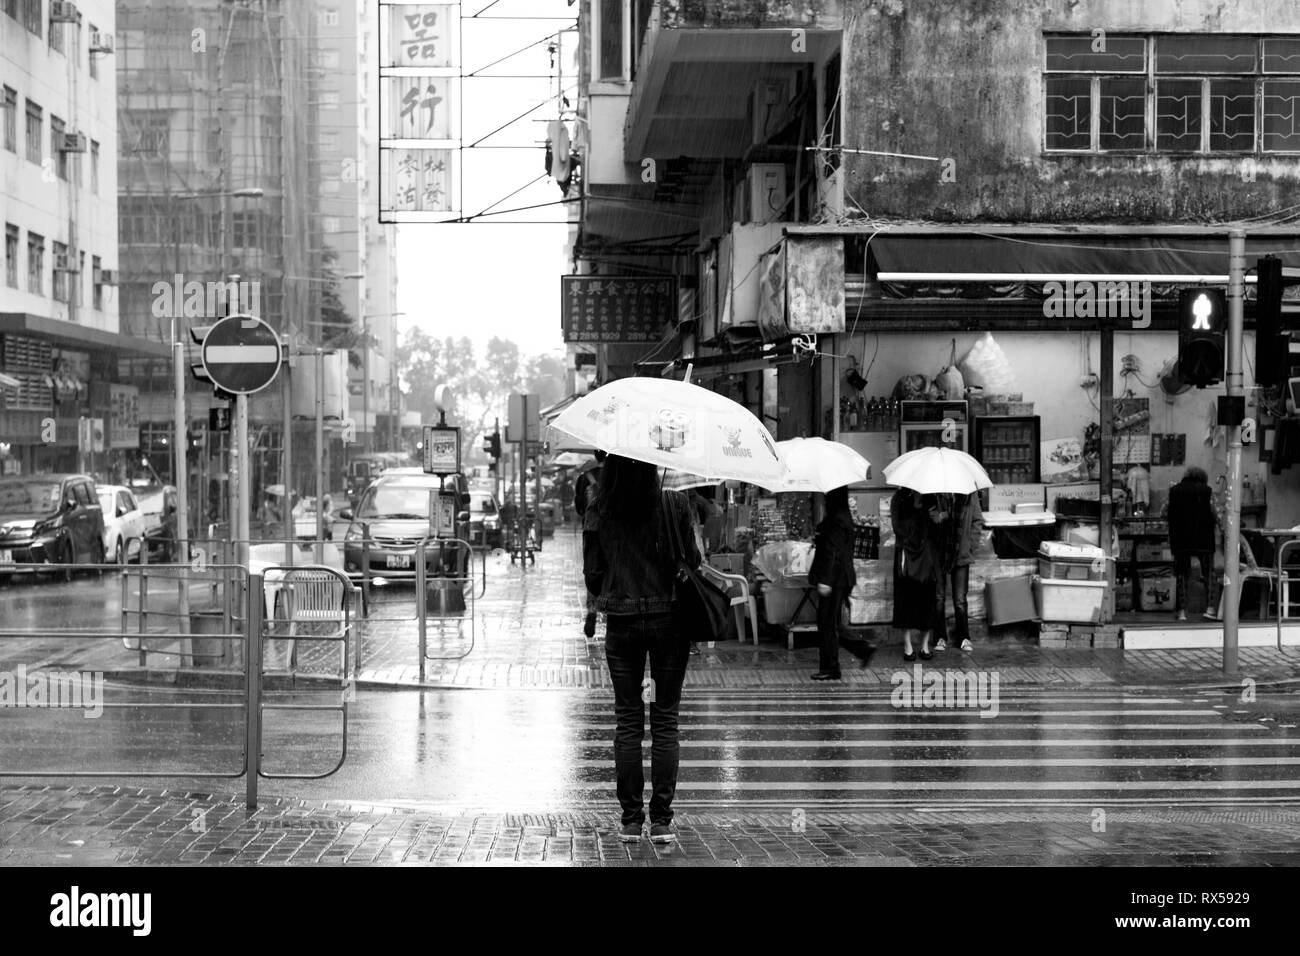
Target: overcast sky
[{"x": 485, "y": 280}]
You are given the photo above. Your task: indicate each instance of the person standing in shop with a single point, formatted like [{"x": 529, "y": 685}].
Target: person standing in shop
[
  {"x": 967, "y": 525},
  {"x": 1191, "y": 534},
  {"x": 834, "y": 577},
  {"x": 585, "y": 492}
]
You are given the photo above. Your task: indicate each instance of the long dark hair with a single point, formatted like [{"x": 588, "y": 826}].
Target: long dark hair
[
  {"x": 837, "y": 501},
  {"x": 628, "y": 505}
]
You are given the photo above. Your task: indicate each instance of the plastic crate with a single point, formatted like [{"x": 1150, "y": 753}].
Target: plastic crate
[
  {"x": 1060, "y": 561},
  {"x": 1070, "y": 601}
]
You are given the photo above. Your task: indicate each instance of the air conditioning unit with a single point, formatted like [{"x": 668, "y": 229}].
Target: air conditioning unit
[
  {"x": 73, "y": 143},
  {"x": 105, "y": 277},
  {"x": 101, "y": 42},
  {"x": 62, "y": 12},
  {"x": 767, "y": 102},
  {"x": 760, "y": 196},
  {"x": 65, "y": 263}
]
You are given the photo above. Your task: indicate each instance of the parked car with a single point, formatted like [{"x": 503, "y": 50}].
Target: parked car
[
  {"x": 124, "y": 523},
  {"x": 484, "y": 519},
  {"x": 157, "y": 502},
  {"x": 391, "y": 517},
  {"x": 49, "y": 519}
]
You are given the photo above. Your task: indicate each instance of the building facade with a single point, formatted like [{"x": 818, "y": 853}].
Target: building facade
[{"x": 60, "y": 334}]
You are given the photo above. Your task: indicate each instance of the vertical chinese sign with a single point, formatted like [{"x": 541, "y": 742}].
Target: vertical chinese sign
[
  {"x": 420, "y": 135},
  {"x": 123, "y": 416}
]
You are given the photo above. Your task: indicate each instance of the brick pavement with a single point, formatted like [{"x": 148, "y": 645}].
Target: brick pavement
[
  {"x": 527, "y": 633},
  {"x": 109, "y": 825}
]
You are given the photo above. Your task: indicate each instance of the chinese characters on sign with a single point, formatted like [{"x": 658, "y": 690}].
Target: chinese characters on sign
[
  {"x": 123, "y": 416},
  {"x": 421, "y": 105},
  {"x": 419, "y": 179},
  {"x": 420, "y": 97},
  {"x": 420, "y": 34},
  {"x": 617, "y": 308},
  {"x": 441, "y": 450}
]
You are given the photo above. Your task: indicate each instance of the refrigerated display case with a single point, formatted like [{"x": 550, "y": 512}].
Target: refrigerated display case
[
  {"x": 1007, "y": 446},
  {"x": 928, "y": 424}
]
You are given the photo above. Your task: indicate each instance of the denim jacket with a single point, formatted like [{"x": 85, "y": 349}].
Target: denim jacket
[{"x": 643, "y": 582}]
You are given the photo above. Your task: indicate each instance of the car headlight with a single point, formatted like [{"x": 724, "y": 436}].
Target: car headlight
[{"x": 354, "y": 535}]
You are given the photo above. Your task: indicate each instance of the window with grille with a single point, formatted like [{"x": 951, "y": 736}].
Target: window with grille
[
  {"x": 33, "y": 133},
  {"x": 35, "y": 263},
  {"x": 56, "y": 147},
  {"x": 96, "y": 287},
  {"x": 94, "y": 167},
  {"x": 92, "y": 61},
  {"x": 32, "y": 15},
  {"x": 1172, "y": 93},
  {"x": 11, "y": 119},
  {"x": 10, "y": 8},
  {"x": 147, "y": 132},
  {"x": 11, "y": 256},
  {"x": 56, "y": 36},
  {"x": 60, "y": 272}
]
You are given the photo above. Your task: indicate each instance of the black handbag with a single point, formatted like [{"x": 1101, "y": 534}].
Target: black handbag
[{"x": 701, "y": 609}]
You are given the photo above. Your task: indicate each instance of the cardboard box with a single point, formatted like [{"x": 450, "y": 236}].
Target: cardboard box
[
  {"x": 1157, "y": 591},
  {"x": 728, "y": 563},
  {"x": 1009, "y": 600},
  {"x": 1071, "y": 601}
]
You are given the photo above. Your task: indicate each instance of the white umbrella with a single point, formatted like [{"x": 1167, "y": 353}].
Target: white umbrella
[
  {"x": 938, "y": 470},
  {"x": 675, "y": 425},
  {"x": 570, "y": 459},
  {"x": 815, "y": 464},
  {"x": 672, "y": 480}
]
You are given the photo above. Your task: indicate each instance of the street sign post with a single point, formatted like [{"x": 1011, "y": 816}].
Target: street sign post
[
  {"x": 241, "y": 354},
  {"x": 441, "y": 450}
]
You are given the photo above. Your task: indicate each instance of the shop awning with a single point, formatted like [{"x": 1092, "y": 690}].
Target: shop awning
[
  {"x": 69, "y": 335},
  {"x": 1044, "y": 253}
]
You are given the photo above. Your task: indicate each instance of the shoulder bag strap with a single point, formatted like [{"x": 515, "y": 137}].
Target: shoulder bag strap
[{"x": 674, "y": 533}]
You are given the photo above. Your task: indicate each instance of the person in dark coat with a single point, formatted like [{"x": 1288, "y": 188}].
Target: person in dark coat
[
  {"x": 1191, "y": 533},
  {"x": 916, "y": 568},
  {"x": 633, "y": 572},
  {"x": 834, "y": 577},
  {"x": 960, "y": 542}
]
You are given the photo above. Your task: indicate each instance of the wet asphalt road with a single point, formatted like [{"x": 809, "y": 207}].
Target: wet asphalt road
[{"x": 506, "y": 750}]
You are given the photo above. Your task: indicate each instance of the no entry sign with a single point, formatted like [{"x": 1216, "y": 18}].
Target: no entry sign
[{"x": 241, "y": 354}]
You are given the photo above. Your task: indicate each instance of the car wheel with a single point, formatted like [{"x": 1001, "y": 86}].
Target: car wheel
[
  {"x": 119, "y": 553},
  {"x": 100, "y": 559}
]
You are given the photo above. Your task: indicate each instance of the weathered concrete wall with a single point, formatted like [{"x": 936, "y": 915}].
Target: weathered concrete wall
[
  {"x": 962, "y": 79},
  {"x": 740, "y": 14}
]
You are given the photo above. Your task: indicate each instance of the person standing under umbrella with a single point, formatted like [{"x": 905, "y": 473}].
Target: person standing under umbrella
[
  {"x": 966, "y": 525},
  {"x": 834, "y": 577},
  {"x": 916, "y": 568},
  {"x": 633, "y": 572}
]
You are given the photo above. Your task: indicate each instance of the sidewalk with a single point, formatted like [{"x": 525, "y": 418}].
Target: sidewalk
[
  {"x": 527, "y": 633},
  {"x": 106, "y": 825}
]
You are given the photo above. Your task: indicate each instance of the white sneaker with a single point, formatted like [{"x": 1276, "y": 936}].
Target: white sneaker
[
  {"x": 967, "y": 646},
  {"x": 1182, "y": 615},
  {"x": 942, "y": 645}
]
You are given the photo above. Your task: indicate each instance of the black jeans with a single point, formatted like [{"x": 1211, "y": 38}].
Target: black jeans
[
  {"x": 628, "y": 640},
  {"x": 829, "y": 608},
  {"x": 959, "y": 577},
  {"x": 1183, "y": 570}
]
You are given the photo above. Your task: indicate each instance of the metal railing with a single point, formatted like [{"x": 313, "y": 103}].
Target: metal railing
[
  {"x": 317, "y": 605},
  {"x": 446, "y": 584}
]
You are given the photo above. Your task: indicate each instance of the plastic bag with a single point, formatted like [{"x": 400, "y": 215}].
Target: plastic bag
[
  {"x": 985, "y": 366},
  {"x": 782, "y": 561},
  {"x": 910, "y": 388},
  {"x": 949, "y": 381}
]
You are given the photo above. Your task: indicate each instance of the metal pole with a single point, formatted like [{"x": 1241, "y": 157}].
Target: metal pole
[
  {"x": 287, "y": 477},
  {"x": 232, "y": 482},
  {"x": 245, "y": 480},
  {"x": 182, "y": 477},
  {"x": 320, "y": 456},
  {"x": 1232, "y": 506},
  {"x": 365, "y": 386},
  {"x": 253, "y": 689}
]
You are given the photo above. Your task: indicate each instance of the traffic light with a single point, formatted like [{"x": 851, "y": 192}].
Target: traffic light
[
  {"x": 1274, "y": 321},
  {"x": 492, "y": 445},
  {"x": 1202, "y": 317}
]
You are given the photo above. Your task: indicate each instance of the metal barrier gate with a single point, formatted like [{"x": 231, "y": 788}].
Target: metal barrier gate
[
  {"x": 317, "y": 606},
  {"x": 447, "y": 582}
]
